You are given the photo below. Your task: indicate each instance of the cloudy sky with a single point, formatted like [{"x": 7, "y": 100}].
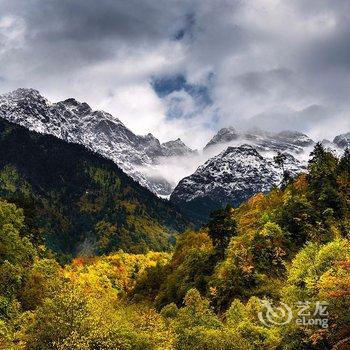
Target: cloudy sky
[{"x": 186, "y": 68}]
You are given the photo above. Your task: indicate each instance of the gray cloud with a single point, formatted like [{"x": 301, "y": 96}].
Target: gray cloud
[
  {"x": 275, "y": 64},
  {"x": 289, "y": 119},
  {"x": 265, "y": 82}
]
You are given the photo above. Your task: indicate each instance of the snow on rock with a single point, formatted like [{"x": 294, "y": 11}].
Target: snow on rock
[
  {"x": 177, "y": 148},
  {"x": 343, "y": 140},
  {"x": 223, "y": 135},
  {"x": 76, "y": 122},
  {"x": 240, "y": 163},
  {"x": 245, "y": 166},
  {"x": 233, "y": 176},
  {"x": 290, "y": 141}
]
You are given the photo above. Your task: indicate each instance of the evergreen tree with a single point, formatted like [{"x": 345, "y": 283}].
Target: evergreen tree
[
  {"x": 280, "y": 159},
  {"x": 322, "y": 181},
  {"x": 343, "y": 181},
  {"x": 222, "y": 227},
  {"x": 344, "y": 163},
  {"x": 318, "y": 153}
]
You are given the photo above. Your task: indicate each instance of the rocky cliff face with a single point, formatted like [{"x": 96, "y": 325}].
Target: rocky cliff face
[
  {"x": 236, "y": 164},
  {"x": 342, "y": 141},
  {"x": 245, "y": 166},
  {"x": 233, "y": 176},
  {"x": 76, "y": 122},
  {"x": 285, "y": 141}
]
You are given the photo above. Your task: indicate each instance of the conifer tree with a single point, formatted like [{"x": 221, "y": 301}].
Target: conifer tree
[{"x": 222, "y": 227}]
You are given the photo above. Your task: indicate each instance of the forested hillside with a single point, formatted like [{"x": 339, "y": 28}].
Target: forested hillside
[
  {"x": 76, "y": 201},
  {"x": 291, "y": 245}
]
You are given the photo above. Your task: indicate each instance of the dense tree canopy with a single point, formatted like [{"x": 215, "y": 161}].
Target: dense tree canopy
[{"x": 287, "y": 247}]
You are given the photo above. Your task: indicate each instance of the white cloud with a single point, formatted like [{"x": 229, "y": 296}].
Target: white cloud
[
  {"x": 269, "y": 60},
  {"x": 138, "y": 106},
  {"x": 12, "y": 33}
]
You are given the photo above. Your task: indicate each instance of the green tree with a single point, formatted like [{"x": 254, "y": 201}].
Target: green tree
[
  {"x": 320, "y": 273},
  {"x": 16, "y": 256},
  {"x": 190, "y": 267},
  {"x": 343, "y": 181},
  {"x": 43, "y": 280},
  {"x": 322, "y": 181},
  {"x": 280, "y": 160},
  {"x": 222, "y": 227}
]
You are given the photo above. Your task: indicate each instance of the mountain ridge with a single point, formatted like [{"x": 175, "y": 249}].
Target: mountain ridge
[
  {"x": 146, "y": 159},
  {"x": 232, "y": 176},
  {"x": 75, "y": 121},
  {"x": 85, "y": 203}
]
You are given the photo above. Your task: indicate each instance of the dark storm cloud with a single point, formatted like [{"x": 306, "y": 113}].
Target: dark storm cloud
[
  {"x": 330, "y": 51},
  {"x": 90, "y": 20},
  {"x": 90, "y": 30},
  {"x": 187, "y": 29},
  {"x": 273, "y": 63}
]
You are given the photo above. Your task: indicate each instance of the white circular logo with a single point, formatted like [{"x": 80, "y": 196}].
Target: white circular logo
[{"x": 275, "y": 315}]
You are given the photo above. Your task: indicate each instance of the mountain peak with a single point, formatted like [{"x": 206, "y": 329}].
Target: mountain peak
[
  {"x": 76, "y": 122},
  {"x": 176, "y": 148},
  {"x": 25, "y": 91},
  {"x": 75, "y": 106},
  {"x": 150, "y": 136},
  {"x": 342, "y": 140},
  {"x": 245, "y": 149},
  {"x": 230, "y": 129},
  {"x": 230, "y": 177},
  {"x": 71, "y": 101},
  {"x": 295, "y": 137},
  {"x": 23, "y": 94},
  {"x": 224, "y": 135},
  {"x": 227, "y": 132},
  {"x": 293, "y": 141},
  {"x": 178, "y": 141}
]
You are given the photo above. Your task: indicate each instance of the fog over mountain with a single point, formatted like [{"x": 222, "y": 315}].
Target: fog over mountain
[
  {"x": 174, "y": 174},
  {"x": 189, "y": 69},
  {"x": 163, "y": 167}
]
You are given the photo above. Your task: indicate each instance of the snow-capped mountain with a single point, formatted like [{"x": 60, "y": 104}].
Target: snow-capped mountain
[
  {"x": 268, "y": 144},
  {"x": 285, "y": 141},
  {"x": 176, "y": 148},
  {"x": 76, "y": 122},
  {"x": 343, "y": 140},
  {"x": 224, "y": 135},
  {"x": 232, "y": 166},
  {"x": 245, "y": 166},
  {"x": 233, "y": 176}
]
